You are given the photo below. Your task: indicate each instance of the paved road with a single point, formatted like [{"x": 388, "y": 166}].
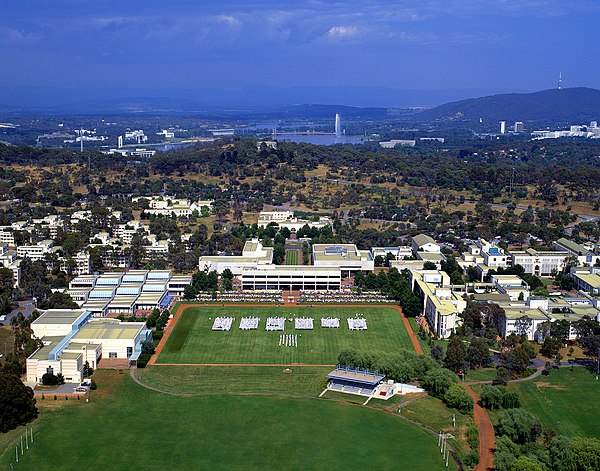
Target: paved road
[{"x": 25, "y": 307}]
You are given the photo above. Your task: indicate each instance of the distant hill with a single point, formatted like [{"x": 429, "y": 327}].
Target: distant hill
[
  {"x": 574, "y": 105},
  {"x": 324, "y": 111}
]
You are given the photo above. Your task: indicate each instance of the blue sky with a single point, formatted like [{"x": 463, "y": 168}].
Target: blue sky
[{"x": 179, "y": 44}]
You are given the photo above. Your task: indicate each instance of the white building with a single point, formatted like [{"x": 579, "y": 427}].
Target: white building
[
  {"x": 424, "y": 243},
  {"x": 541, "y": 263},
  {"x": 35, "y": 252},
  {"x": 273, "y": 277},
  {"x": 347, "y": 257},
  {"x": 511, "y": 285},
  {"x": 70, "y": 338},
  {"x": 398, "y": 253},
  {"x": 441, "y": 306},
  {"x": 253, "y": 256}
]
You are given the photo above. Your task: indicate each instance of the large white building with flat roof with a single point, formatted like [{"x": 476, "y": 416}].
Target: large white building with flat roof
[
  {"x": 71, "y": 337},
  {"x": 275, "y": 277},
  {"x": 253, "y": 256},
  {"x": 347, "y": 257}
]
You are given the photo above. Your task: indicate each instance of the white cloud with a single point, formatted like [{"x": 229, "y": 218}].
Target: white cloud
[{"x": 342, "y": 32}]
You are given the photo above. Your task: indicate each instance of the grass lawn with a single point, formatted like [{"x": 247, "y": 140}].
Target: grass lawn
[
  {"x": 194, "y": 341},
  {"x": 134, "y": 428},
  {"x": 291, "y": 257},
  {"x": 432, "y": 413},
  {"x": 565, "y": 401},
  {"x": 424, "y": 342},
  {"x": 482, "y": 374},
  {"x": 305, "y": 380},
  {"x": 7, "y": 339}
]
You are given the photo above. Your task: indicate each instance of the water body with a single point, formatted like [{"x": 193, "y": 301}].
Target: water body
[{"x": 320, "y": 139}]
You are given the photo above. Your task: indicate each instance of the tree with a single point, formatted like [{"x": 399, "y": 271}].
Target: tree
[
  {"x": 478, "y": 352},
  {"x": 502, "y": 376},
  {"x": 560, "y": 454},
  {"x": 58, "y": 300},
  {"x": 429, "y": 265},
  {"x": 585, "y": 453},
  {"x": 525, "y": 463},
  {"x": 586, "y": 326},
  {"x": 227, "y": 277},
  {"x": 49, "y": 379},
  {"x": 523, "y": 325},
  {"x": 87, "y": 369},
  {"x": 550, "y": 347},
  {"x": 455, "y": 354},
  {"x": 437, "y": 353},
  {"x": 516, "y": 360},
  {"x": 590, "y": 345},
  {"x": 17, "y": 403},
  {"x": 148, "y": 346},
  {"x": 438, "y": 381},
  {"x": 519, "y": 425},
  {"x": 457, "y": 397},
  {"x": 491, "y": 397}
]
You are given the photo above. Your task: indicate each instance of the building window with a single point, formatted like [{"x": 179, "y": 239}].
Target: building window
[
  {"x": 129, "y": 351},
  {"x": 112, "y": 354}
]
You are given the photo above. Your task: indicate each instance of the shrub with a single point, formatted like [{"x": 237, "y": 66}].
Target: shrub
[
  {"x": 93, "y": 385},
  {"x": 472, "y": 459},
  {"x": 439, "y": 380},
  {"x": 519, "y": 425},
  {"x": 473, "y": 435},
  {"x": 458, "y": 398},
  {"x": 157, "y": 335},
  {"x": 49, "y": 379},
  {"x": 492, "y": 397},
  {"x": 143, "y": 360},
  {"x": 511, "y": 401}
]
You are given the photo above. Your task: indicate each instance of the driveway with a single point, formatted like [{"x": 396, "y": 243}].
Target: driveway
[{"x": 67, "y": 388}]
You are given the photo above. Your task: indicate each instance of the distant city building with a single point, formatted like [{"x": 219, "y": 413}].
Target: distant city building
[
  {"x": 519, "y": 127},
  {"x": 222, "y": 132},
  {"x": 502, "y": 127},
  {"x": 397, "y": 142}
]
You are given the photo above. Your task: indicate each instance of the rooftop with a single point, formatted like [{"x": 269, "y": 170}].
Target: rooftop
[
  {"x": 109, "y": 329},
  {"x": 59, "y": 316},
  {"x": 423, "y": 239}
]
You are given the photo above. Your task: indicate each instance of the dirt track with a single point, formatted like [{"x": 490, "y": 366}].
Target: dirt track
[{"x": 487, "y": 443}]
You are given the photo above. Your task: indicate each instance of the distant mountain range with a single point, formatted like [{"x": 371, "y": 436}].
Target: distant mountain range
[
  {"x": 48, "y": 100},
  {"x": 570, "y": 105},
  {"x": 576, "y": 105}
]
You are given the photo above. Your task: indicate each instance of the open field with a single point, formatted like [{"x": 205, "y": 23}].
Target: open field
[
  {"x": 565, "y": 401},
  {"x": 194, "y": 342},
  {"x": 305, "y": 380},
  {"x": 135, "y": 428}
]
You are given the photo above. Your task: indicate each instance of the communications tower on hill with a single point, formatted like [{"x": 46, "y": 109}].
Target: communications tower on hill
[{"x": 560, "y": 82}]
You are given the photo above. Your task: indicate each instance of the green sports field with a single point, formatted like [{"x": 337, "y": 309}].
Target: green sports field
[
  {"x": 193, "y": 340},
  {"x": 131, "y": 428},
  {"x": 291, "y": 257}
]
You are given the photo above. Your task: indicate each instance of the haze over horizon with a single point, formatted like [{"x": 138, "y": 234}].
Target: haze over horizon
[{"x": 60, "y": 53}]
